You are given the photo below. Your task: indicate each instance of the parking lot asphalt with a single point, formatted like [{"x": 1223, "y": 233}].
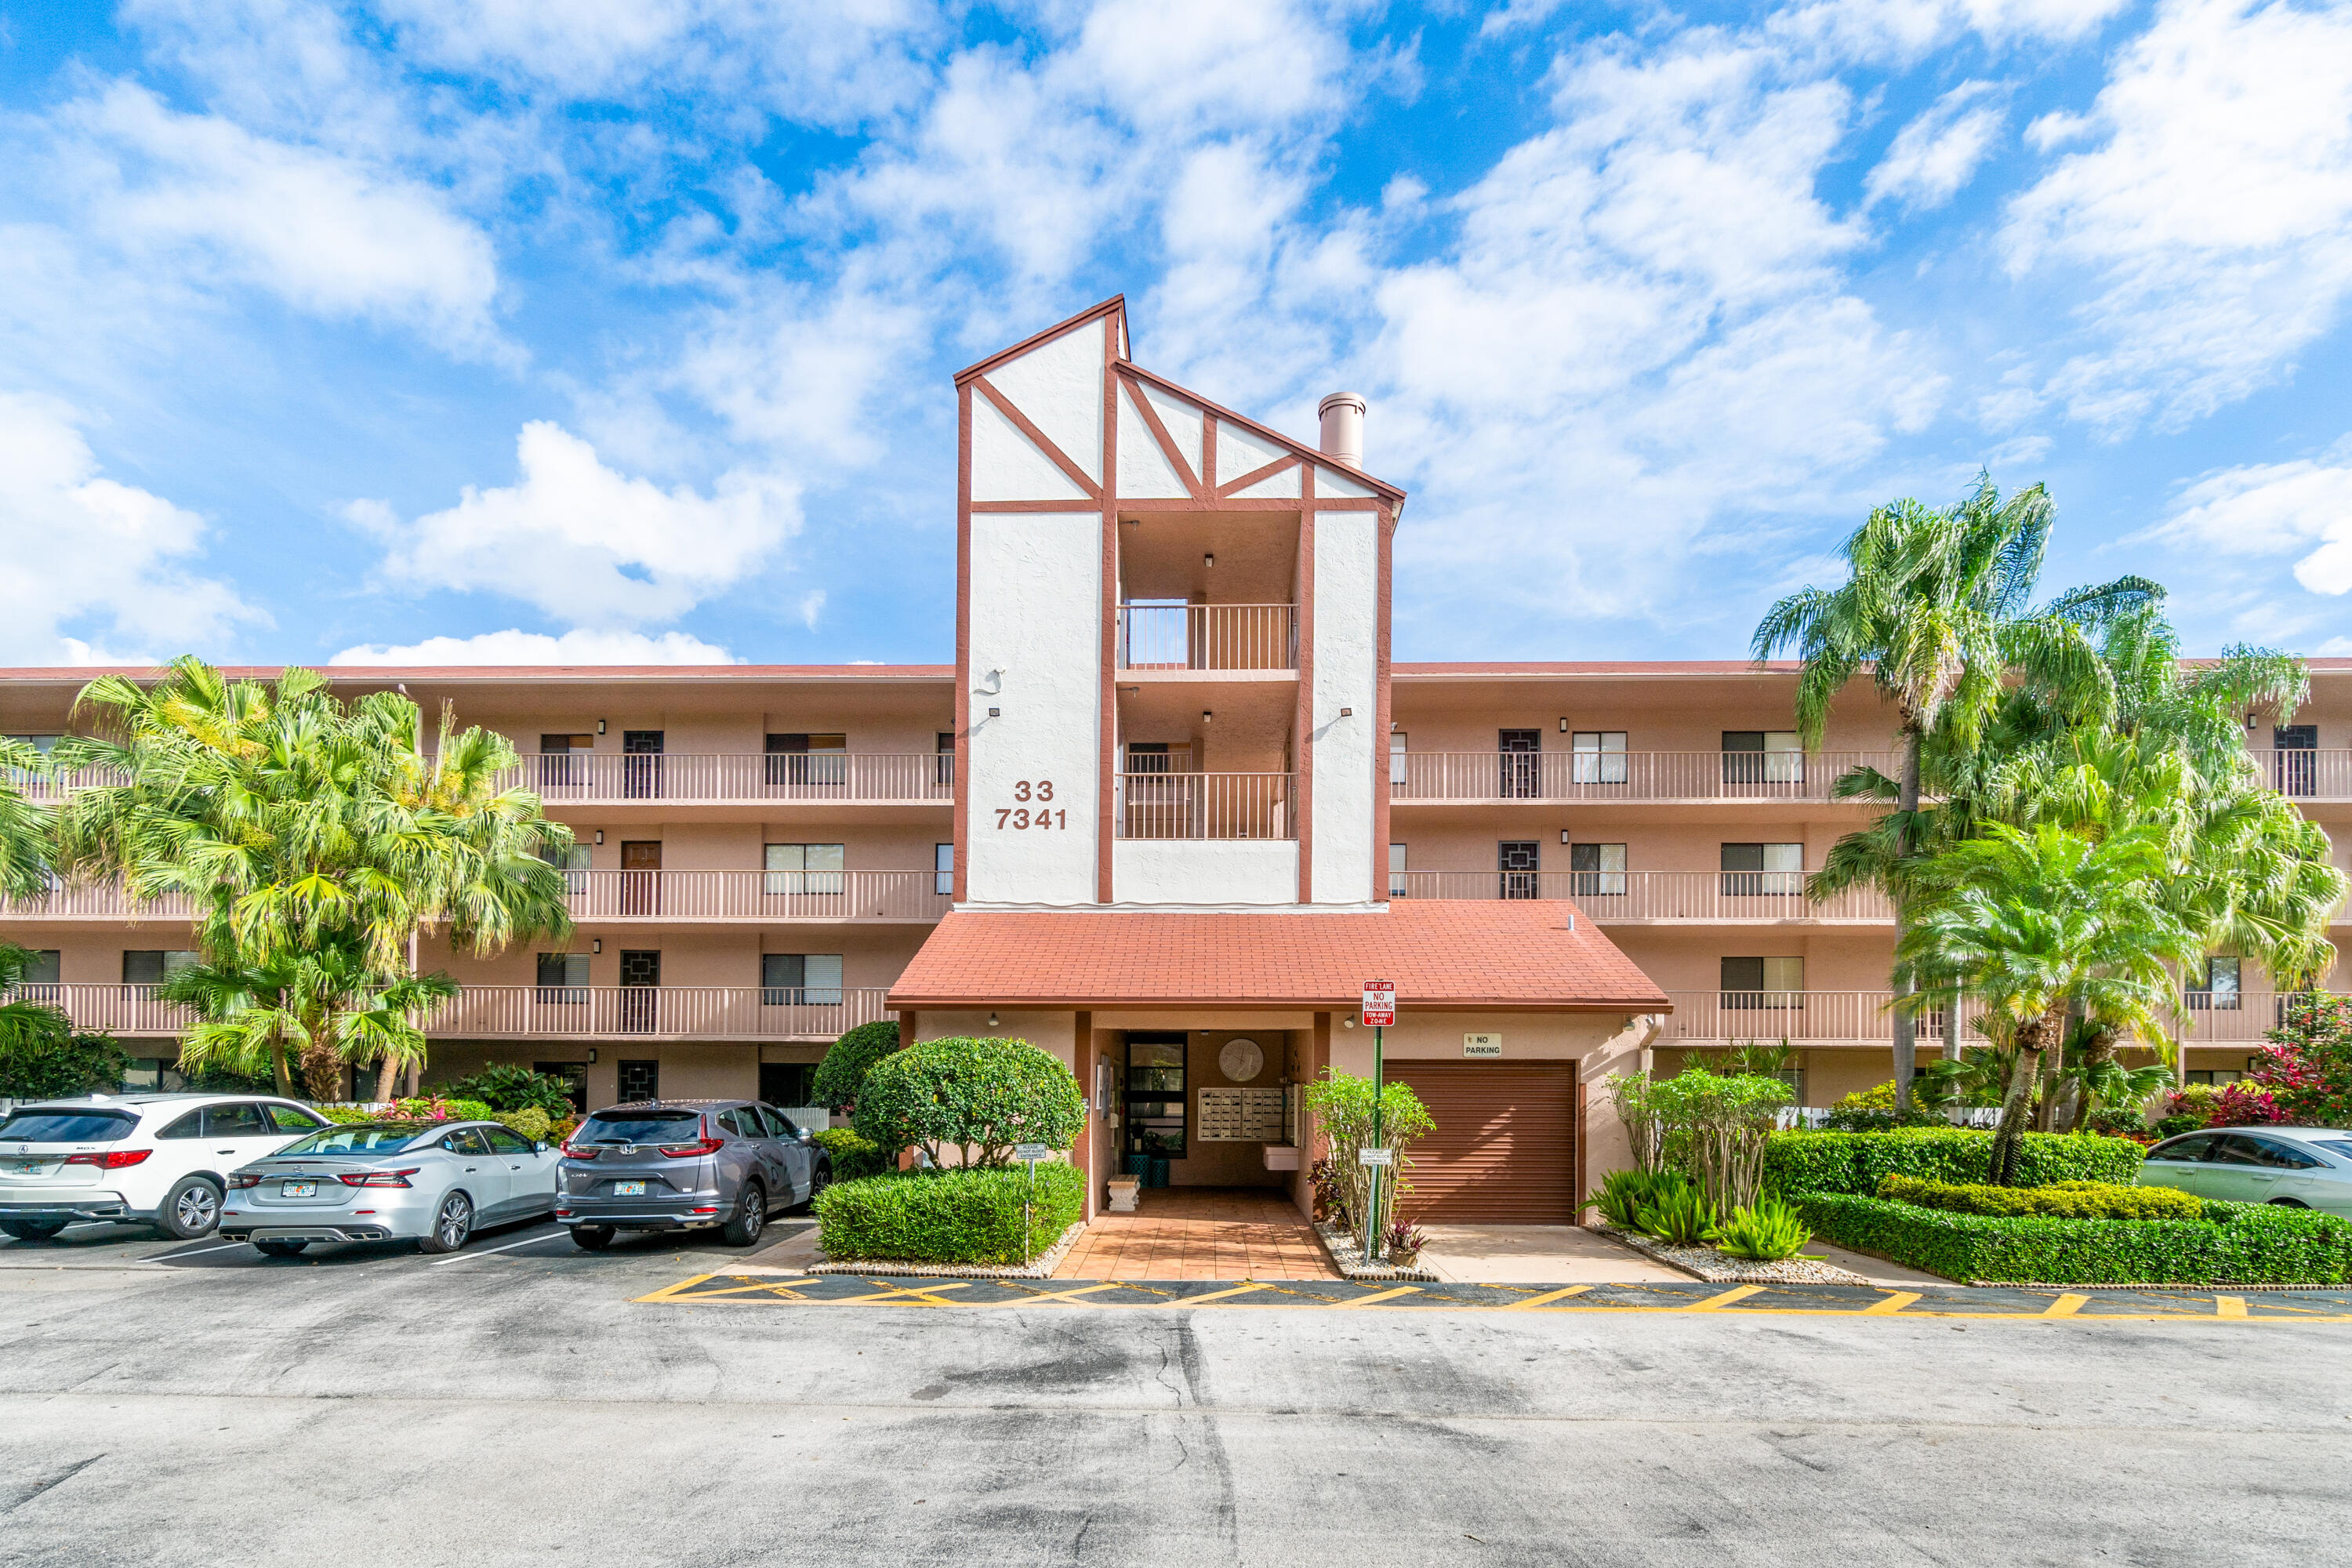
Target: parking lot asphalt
[{"x": 165, "y": 1405}]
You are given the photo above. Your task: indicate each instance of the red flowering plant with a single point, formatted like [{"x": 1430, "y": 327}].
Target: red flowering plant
[{"x": 2306, "y": 1072}]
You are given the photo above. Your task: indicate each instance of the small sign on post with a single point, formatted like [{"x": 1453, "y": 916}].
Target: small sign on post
[
  {"x": 1379, "y": 1004},
  {"x": 1375, "y": 1156},
  {"x": 1029, "y": 1154}
]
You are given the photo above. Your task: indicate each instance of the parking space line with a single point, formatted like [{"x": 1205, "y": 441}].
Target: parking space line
[
  {"x": 2066, "y": 1306},
  {"x": 1374, "y": 1300},
  {"x": 1895, "y": 1301},
  {"x": 1737, "y": 1293},
  {"x": 195, "y": 1251},
  {"x": 1042, "y": 1297},
  {"x": 1548, "y": 1297},
  {"x": 486, "y": 1251},
  {"x": 2228, "y": 1306},
  {"x": 922, "y": 1293},
  {"x": 1220, "y": 1295},
  {"x": 672, "y": 1292}
]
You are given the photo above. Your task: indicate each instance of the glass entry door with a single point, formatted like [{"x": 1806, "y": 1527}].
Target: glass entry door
[{"x": 1155, "y": 1095}]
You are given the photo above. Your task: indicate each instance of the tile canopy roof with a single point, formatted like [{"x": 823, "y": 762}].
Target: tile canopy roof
[{"x": 1441, "y": 953}]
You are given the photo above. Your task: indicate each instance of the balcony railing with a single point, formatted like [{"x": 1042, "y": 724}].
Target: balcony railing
[
  {"x": 2306, "y": 774},
  {"x": 748, "y": 897},
  {"x": 1208, "y": 637},
  {"x": 537, "y": 1011},
  {"x": 2229, "y": 1018},
  {"x": 847, "y": 778},
  {"x": 1638, "y": 898},
  {"x": 55, "y": 787},
  {"x": 1484, "y": 777},
  {"x": 94, "y": 901},
  {"x": 1203, "y": 805},
  {"x": 1801, "y": 1017}
]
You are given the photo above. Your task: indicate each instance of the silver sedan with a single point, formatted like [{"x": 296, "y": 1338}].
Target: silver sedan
[
  {"x": 2294, "y": 1167},
  {"x": 433, "y": 1183}
]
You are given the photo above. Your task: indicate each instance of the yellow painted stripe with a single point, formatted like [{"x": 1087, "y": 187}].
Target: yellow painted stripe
[
  {"x": 2066, "y": 1306},
  {"x": 1894, "y": 1301},
  {"x": 1548, "y": 1296},
  {"x": 668, "y": 1292},
  {"x": 1045, "y": 1296},
  {"x": 1737, "y": 1293},
  {"x": 1217, "y": 1295},
  {"x": 2228, "y": 1306},
  {"x": 923, "y": 1292},
  {"x": 1380, "y": 1297}
]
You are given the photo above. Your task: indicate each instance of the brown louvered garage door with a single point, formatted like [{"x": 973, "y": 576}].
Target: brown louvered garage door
[{"x": 1505, "y": 1149}]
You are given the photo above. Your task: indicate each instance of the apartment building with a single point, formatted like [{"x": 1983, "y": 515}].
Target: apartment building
[{"x": 1171, "y": 806}]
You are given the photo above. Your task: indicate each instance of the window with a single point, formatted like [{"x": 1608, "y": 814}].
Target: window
[
  {"x": 44, "y": 744},
  {"x": 1599, "y": 757},
  {"x": 1763, "y": 982},
  {"x": 571, "y": 859},
  {"x": 1750, "y": 870},
  {"x": 1398, "y": 887},
  {"x": 788, "y": 1083},
  {"x": 2217, "y": 1077},
  {"x": 1396, "y": 759},
  {"x": 291, "y": 1119},
  {"x": 1519, "y": 868},
  {"x": 943, "y": 869},
  {"x": 803, "y": 869},
  {"x": 235, "y": 1120},
  {"x": 1155, "y": 1095},
  {"x": 149, "y": 967},
  {"x": 42, "y": 968},
  {"x": 573, "y": 1074},
  {"x": 779, "y": 1125},
  {"x": 2214, "y": 988},
  {"x": 2191, "y": 1150},
  {"x": 641, "y": 1081},
  {"x": 943, "y": 769},
  {"x": 150, "y": 1075},
  {"x": 808, "y": 758},
  {"x": 1596, "y": 870},
  {"x": 797, "y": 979},
  {"x": 192, "y": 1125},
  {"x": 59, "y": 1126},
  {"x": 505, "y": 1141},
  {"x": 1762, "y": 757},
  {"x": 1148, "y": 757},
  {"x": 564, "y": 977},
  {"x": 728, "y": 1122},
  {"x": 2276, "y": 1153},
  {"x": 563, "y": 760},
  {"x": 467, "y": 1141}
]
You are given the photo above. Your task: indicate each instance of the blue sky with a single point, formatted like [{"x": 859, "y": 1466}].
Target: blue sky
[{"x": 619, "y": 330}]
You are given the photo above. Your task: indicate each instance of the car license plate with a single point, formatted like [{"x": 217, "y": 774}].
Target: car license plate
[
  {"x": 628, "y": 1189},
  {"x": 297, "y": 1189},
  {"x": 28, "y": 1167}
]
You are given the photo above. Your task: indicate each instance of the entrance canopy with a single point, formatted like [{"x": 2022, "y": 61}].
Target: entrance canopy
[{"x": 1443, "y": 954}]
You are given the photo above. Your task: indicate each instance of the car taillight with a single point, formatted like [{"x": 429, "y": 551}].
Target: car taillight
[
  {"x": 113, "y": 1160},
  {"x": 237, "y": 1183},
  {"x": 689, "y": 1151},
  {"x": 573, "y": 1151},
  {"x": 378, "y": 1178}
]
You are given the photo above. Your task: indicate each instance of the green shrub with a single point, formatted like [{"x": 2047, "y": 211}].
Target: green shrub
[
  {"x": 2063, "y": 1200},
  {"x": 346, "y": 1115},
  {"x": 42, "y": 1057},
  {"x": 434, "y": 1107},
  {"x": 1768, "y": 1232},
  {"x": 530, "y": 1122},
  {"x": 980, "y": 1097},
  {"x": 2237, "y": 1243},
  {"x": 1680, "y": 1215},
  {"x": 502, "y": 1086},
  {"x": 949, "y": 1216},
  {"x": 2174, "y": 1125},
  {"x": 1625, "y": 1194},
  {"x": 843, "y": 1072},
  {"x": 1857, "y": 1163},
  {"x": 852, "y": 1157}
]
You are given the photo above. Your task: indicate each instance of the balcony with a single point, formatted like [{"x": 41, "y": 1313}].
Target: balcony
[
  {"x": 1488, "y": 778},
  {"x": 1191, "y": 639},
  {"x": 1202, "y": 805},
  {"x": 672, "y": 897},
  {"x": 2306, "y": 775},
  {"x": 1801, "y": 1017},
  {"x": 1659, "y": 898},
  {"x": 836, "y": 778},
  {"x": 536, "y": 1012}
]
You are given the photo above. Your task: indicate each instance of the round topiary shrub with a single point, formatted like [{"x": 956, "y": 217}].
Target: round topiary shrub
[
  {"x": 980, "y": 1097},
  {"x": 844, "y": 1069}
]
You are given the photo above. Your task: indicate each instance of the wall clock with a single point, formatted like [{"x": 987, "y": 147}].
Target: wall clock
[{"x": 1241, "y": 1060}]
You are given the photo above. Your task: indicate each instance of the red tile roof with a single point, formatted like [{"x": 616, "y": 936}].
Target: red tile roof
[{"x": 1446, "y": 954}]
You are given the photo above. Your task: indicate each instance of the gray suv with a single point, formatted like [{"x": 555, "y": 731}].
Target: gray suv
[{"x": 685, "y": 1164}]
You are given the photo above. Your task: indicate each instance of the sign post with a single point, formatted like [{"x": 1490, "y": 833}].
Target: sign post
[
  {"x": 1379, "y": 1012},
  {"x": 1029, "y": 1154}
]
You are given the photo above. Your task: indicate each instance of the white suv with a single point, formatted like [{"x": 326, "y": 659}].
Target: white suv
[{"x": 162, "y": 1159}]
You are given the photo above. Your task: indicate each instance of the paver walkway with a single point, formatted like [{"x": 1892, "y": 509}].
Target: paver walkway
[{"x": 1200, "y": 1233}]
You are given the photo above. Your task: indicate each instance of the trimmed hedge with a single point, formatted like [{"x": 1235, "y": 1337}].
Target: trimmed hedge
[
  {"x": 2061, "y": 1200},
  {"x": 1855, "y": 1163},
  {"x": 955, "y": 1216},
  {"x": 2235, "y": 1244},
  {"x": 852, "y": 1157}
]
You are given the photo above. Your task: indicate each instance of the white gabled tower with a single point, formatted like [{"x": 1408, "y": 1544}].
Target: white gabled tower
[{"x": 1172, "y": 642}]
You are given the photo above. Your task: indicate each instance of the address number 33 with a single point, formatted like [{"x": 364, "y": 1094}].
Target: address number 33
[{"x": 1036, "y": 813}]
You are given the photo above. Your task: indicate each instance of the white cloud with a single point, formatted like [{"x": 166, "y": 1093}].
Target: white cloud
[
  {"x": 2211, "y": 223},
  {"x": 95, "y": 572},
  {"x": 1936, "y": 154},
  {"x": 586, "y": 544},
  {"x": 517, "y": 646},
  {"x": 203, "y": 198},
  {"x": 2300, "y": 509},
  {"x": 812, "y": 605}
]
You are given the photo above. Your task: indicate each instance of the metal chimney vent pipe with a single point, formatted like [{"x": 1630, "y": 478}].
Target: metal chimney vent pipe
[{"x": 1343, "y": 427}]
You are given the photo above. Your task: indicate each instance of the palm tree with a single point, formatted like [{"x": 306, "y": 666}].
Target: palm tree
[
  {"x": 304, "y": 831},
  {"x": 2032, "y": 924},
  {"x": 1936, "y": 607},
  {"x": 321, "y": 1005},
  {"x": 25, "y": 825}
]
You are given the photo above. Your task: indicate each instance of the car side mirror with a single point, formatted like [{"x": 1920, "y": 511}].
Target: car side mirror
[
  {"x": 539, "y": 1146},
  {"x": 806, "y": 1136}
]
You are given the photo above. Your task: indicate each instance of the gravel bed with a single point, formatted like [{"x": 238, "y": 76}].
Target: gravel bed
[
  {"x": 1039, "y": 1267},
  {"x": 1349, "y": 1258},
  {"x": 1718, "y": 1267}
]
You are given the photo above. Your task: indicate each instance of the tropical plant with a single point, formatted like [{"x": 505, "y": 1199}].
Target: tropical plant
[
  {"x": 1401, "y": 1241},
  {"x": 321, "y": 1005},
  {"x": 1624, "y": 1195},
  {"x": 980, "y": 1097},
  {"x": 1714, "y": 1131},
  {"x": 42, "y": 1056},
  {"x": 25, "y": 826},
  {"x": 1680, "y": 1215},
  {"x": 504, "y": 1085},
  {"x": 849, "y": 1060},
  {"x": 1342, "y": 1105},
  {"x": 2307, "y": 1067},
  {"x": 1768, "y": 1231},
  {"x": 1633, "y": 1097},
  {"x": 1937, "y": 607},
  {"x": 2032, "y": 923},
  {"x": 311, "y": 838}
]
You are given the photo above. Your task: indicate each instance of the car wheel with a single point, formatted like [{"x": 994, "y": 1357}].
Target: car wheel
[
  {"x": 2289, "y": 1204},
  {"x": 451, "y": 1226},
  {"x": 819, "y": 1179},
  {"x": 191, "y": 1210},
  {"x": 592, "y": 1237},
  {"x": 281, "y": 1248},
  {"x": 32, "y": 1229},
  {"x": 751, "y": 1216}
]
